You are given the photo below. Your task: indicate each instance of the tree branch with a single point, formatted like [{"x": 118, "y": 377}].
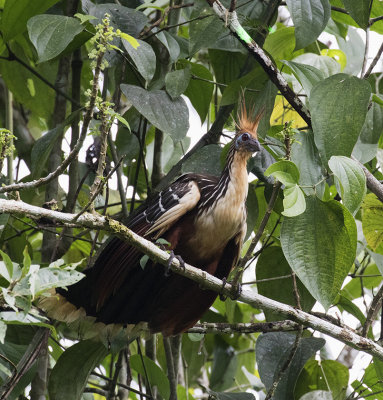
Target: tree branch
[
  {"x": 206, "y": 281},
  {"x": 244, "y": 328}
]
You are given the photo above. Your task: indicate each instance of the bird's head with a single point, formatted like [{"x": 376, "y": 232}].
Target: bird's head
[{"x": 246, "y": 139}]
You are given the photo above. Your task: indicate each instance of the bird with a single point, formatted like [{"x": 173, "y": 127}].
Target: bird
[{"x": 201, "y": 218}]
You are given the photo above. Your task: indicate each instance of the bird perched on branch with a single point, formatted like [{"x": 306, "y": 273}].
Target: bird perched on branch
[{"x": 202, "y": 217}]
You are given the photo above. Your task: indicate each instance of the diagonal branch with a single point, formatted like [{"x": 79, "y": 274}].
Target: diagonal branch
[{"x": 206, "y": 281}]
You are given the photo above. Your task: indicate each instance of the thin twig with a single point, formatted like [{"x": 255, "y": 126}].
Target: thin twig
[
  {"x": 372, "y": 311},
  {"x": 374, "y": 62},
  {"x": 366, "y": 48}
]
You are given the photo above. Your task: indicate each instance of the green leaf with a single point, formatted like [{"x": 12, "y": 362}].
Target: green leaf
[
  {"x": 130, "y": 39},
  {"x": 17, "y": 12},
  {"x": 327, "y": 374},
  {"x": 170, "y": 44},
  {"x": 204, "y": 161},
  {"x": 320, "y": 246},
  {"x": 224, "y": 366},
  {"x": 347, "y": 305},
  {"x": 3, "y": 331},
  {"x": 170, "y": 116},
  {"x": 144, "y": 260},
  {"x": 204, "y": 32},
  {"x": 177, "y": 81},
  {"x": 307, "y": 75},
  {"x": 359, "y": 11},
  {"x": 327, "y": 65},
  {"x": 310, "y": 17},
  {"x": 353, "y": 46},
  {"x": 293, "y": 202},
  {"x": 372, "y": 220},
  {"x": 51, "y": 34},
  {"x": 156, "y": 376},
  {"x": 285, "y": 171},
  {"x": 349, "y": 180},
  {"x": 143, "y": 57},
  {"x": 305, "y": 156},
  {"x": 281, "y": 44},
  {"x": 338, "y": 110},
  {"x": 123, "y": 120},
  {"x": 42, "y": 148},
  {"x": 273, "y": 264},
  {"x": 272, "y": 351},
  {"x": 71, "y": 372},
  {"x": 367, "y": 144},
  {"x": 198, "y": 91},
  {"x": 8, "y": 274},
  {"x": 26, "y": 261}
]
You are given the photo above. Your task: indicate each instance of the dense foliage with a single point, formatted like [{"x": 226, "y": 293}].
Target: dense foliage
[{"x": 315, "y": 203}]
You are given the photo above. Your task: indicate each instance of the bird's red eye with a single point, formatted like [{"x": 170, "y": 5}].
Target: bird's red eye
[{"x": 245, "y": 137}]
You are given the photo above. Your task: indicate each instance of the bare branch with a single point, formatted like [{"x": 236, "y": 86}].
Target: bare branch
[
  {"x": 244, "y": 328},
  {"x": 207, "y": 281}
]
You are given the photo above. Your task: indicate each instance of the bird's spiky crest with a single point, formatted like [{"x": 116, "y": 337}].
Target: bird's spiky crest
[{"x": 246, "y": 120}]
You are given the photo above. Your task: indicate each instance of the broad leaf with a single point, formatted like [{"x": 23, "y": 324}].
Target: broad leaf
[
  {"x": 327, "y": 374},
  {"x": 143, "y": 58},
  {"x": 310, "y": 17},
  {"x": 305, "y": 156},
  {"x": 273, "y": 264},
  {"x": 367, "y": 144},
  {"x": 350, "y": 181},
  {"x": 294, "y": 201},
  {"x": 17, "y": 12},
  {"x": 71, "y": 372},
  {"x": 338, "y": 109},
  {"x": 177, "y": 81},
  {"x": 204, "y": 161},
  {"x": 170, "y": 44},
  {"x": 372, "y": 220},
  {"x": 273, "y": 349},
  {"x": 51, "y": 34},
  {"x": 327, "y": 65},
  {"x": 353, "y": 46},
  {"x": 320, "y": 246},
  {"x": 230, "y": 396},
  {"x": 359, "y": 11},
  {"x": 199, "y": 91},
  {"x": 285, "y": 171},
  {"x": 224, "y": 366},
  {"x": 281, "y": 44},
  {"x": 204, "y": 32},
  {"x": 317, "y": 395},
  {"x": 307, "y": 75},
  {"x": 171, "y": 116},
  {"x": 156, "y": 376}
]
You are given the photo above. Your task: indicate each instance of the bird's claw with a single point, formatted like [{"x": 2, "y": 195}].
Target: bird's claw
[
  {"x": 236, "y": 291},
  {"x": 222, "y": 296},
  {"x": 171, "y": 258}
]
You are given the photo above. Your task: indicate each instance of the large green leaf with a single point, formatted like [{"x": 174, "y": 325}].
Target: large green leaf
[
  {"x": 281, "y": 44},
  {"x": 329, "y": 374},
  {"x": 17, "y": 12},
  {"x": 320, "y": 246},
  {"x": 353, "y": 46},
  {"x": 359, "y": 10},
  {"x": 177, "y": 81},
  {"x": 310, "y": 17},
  {"x": 28, "y": 89},
  {"x": 143, "y": 58},
  {"x": 305, "y": 156},
  {"x": 199, "y": 90},
  {"x": 273, "y": 264},
  {"x": 338, "y": 110},
  {"x": 327, "y": 65},
  {"x": 349, "y": 180},
  {"x": 273, "y": 349},
  {"x": 51, "y": 34},
  {"x": 156, "y": 376},
  {"x": 171, "y": 116},
  {"x": 372, "y": 220},
  {"x": 307, "y": 75},
  {"x": 204, "y": 32},
  {"x": 71, "y": 372},
  {"x": 367, "y": 144},
  {"x": 224, "y": 366}
]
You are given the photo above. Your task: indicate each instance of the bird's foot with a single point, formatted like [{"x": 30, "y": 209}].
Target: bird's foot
[
  {"x": 222, "y": 296},
  {"x": 171, "y": 258},
  {"x": 236, "y": 291}
]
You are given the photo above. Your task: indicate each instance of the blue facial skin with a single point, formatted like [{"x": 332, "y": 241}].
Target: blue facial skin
[{"x": 247, "y": 142}]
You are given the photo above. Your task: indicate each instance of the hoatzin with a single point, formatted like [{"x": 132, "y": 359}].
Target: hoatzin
[{"x": 203, "y": 218}]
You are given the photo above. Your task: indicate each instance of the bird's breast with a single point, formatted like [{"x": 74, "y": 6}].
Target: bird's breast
[{"x": 219, "y": 223}]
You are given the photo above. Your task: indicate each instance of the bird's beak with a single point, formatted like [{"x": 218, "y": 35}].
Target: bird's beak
[{"x": 253, "y": 145}]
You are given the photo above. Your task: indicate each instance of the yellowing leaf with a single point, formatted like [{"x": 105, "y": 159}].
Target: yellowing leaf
[{"x": 132, "y": 41}]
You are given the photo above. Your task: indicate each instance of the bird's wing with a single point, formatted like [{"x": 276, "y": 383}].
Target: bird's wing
[{"x": 117, "y": 258}]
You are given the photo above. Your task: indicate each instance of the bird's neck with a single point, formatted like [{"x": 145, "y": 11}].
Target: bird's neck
[{"x": 234, "y": 175}]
